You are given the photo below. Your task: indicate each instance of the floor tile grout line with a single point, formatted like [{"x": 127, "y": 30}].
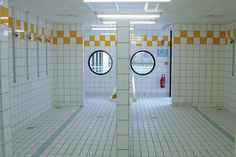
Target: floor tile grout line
[
  {"x": 110, "y": 127},
  {"x": 55, "y": 134},
  {"x": 61, "y": 137},
  {"x": 88, "y": 112},
  {"x": 215, "y": 125},
  {"x": 35, "y": 133},
  {"x": 102, "y": 109},
  {"x": 224, "y": 121},
  {"x": 97, "y": 111},
  {"x": 147, "y": 109}
]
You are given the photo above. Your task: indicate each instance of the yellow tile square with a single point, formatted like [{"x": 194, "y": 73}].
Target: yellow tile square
[
  {"x": 190, "y": 40},
  {"x": 177, "y": 40},
  {"x": 4, "y": 12},
  {"x": 97, "y": 43},
  {"x": 79, "y": 40},
  {"x": 4, "y": 21},
  {"x": 32, "y": 28},
  {"x": 216, "y": 41},
  {"x": 60, "y": 34},
  {"x": 22, "y": 35},
  {"x": 55, "y": 40},
  {"x": 138, "y": 43},
  {"x": 10, "y": 22},
  {"x": 203, "y": 41},
  {"x": 43, "y": 30},
  {"x": 4, "y": 15},
  {"x": 112, "y": 38},
  {"x": 107, "y": 43},
  {"x": 91, "y": 38},
  {"x": 154, "y": 38},
  {"x": 66, "y": 40},
  {"x": 159, "y": 43},
  {"x": 144, "y": 38},
  {"x": 149, "y": 43},
  {"x": 222, "y": 34},
  {"x": 209, "y": 34},
  {"x": 18, "y": 24},
  {"x": 35, "y": 36},
  {"x": 86, "y": 43},
  {"x": 73, "y": 34},
  {"x": 165, "y": 38},
  {"x": 196, "y": 34},
  {"x": 183, "y": 33},
  {"x": 102, "y": 37},
  {"x": 25, "y": 26}
]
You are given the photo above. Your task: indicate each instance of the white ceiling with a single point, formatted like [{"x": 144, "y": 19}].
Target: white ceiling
[{"x": 177, "y": 11}]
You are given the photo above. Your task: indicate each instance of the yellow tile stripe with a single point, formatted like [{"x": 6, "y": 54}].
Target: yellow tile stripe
[
  {"x": 23, "y": 25},
  {"x": 147, "y": 40},
  {"x": 200, "y": 37},
  {"x": 4, "y": 15},
  {"x": 60, "y": 35}
]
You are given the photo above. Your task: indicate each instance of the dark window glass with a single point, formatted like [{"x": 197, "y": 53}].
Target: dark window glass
[{"x": 100, "y": 62}]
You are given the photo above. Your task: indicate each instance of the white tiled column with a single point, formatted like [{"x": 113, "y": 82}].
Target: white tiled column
[
  {"x": 5, "y": 114},
  {"x": 123, "y": 42}
]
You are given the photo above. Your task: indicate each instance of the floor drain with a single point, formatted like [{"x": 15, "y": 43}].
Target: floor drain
[
  {"x": 100, "y": 117},
  {"x": 30, "y": 128},
  {"x": 58, "y": 107},
  {"x": 154, "y": 117}
]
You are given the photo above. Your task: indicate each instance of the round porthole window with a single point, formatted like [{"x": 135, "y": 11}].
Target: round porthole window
[
  {"x": 142, "y": 62},
  {"x": 100, "y": 62}
]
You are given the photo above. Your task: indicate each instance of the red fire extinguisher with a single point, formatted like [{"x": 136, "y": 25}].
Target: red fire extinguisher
[{"x": 163, "y": 81}]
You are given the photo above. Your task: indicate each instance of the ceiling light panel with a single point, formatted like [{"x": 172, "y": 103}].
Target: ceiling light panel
[
  {"x": 128, "y": 16},
  {"x": 131, "y": 22},
  {"x": 97, "y": 1}
]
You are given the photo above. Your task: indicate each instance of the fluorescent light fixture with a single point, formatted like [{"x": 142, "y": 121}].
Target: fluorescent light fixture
[
  {"x": 142, "y": 22},
  {"x": 128, "y": 16},
  {"x": 106, "y": 29},
  {"x": 103, "y": 28},
  {"x": 104, "y": 25},
  {"x": 131, "y": 22},
  {"x": 97, "y": 1},
  {"x": 109, "y": 22}
]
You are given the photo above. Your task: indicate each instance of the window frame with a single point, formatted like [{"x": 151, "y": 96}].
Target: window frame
[
  {"x": 91, "y": 57},
  {"x": 154, "y": 63}
]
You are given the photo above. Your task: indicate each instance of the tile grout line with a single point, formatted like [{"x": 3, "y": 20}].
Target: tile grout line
[
  {"x": 215, "y": 125},
  {"x": 45, "y": 145}
]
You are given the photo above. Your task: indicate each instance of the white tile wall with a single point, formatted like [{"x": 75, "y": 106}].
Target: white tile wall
[
  {"x": 105, "y": 84},
  {"x": 150, "y": 84},
  {"x": 99, "y": 84},
  {"x": 5, "y": 110},
  {"x": 29, "y": 98},
  {"x": 229, "y": 81},
  {"x": 68, "y": 69},
  {"x": 198, "y": 70}
]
